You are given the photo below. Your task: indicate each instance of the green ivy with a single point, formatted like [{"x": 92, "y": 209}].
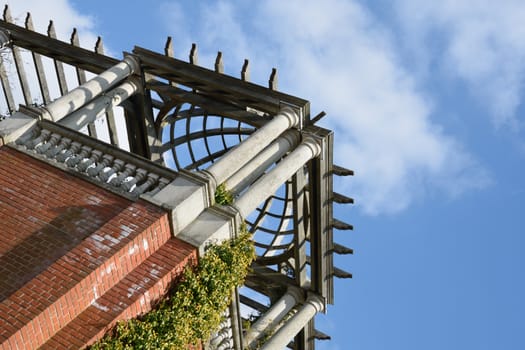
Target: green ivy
[
  {"x": 223, "y": 196},
  {"x": 193, "y": 311}
]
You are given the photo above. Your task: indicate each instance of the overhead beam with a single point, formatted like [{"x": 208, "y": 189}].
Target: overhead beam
[
  {"x": 221, "y": 86},
  {"x": 56, "y": 49}
]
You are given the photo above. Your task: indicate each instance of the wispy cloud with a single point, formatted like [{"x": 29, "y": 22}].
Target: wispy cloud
[
  {"x": 338, "y": 56},
  {"x": 63, "y": 14},
  {"x": 65, "y": 17},
  {"x": 481, "y": 42}
]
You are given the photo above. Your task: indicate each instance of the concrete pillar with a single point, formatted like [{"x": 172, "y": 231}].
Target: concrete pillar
[
  {"x": 86, "y": 92},
  {"x": 235, "y": 159},
  {"x": 272, "y": 317},
  {"x": 96, "y": 108},
  {"x": 285, "y": 334},
  {"x": 271, "y": 181},
  {"x": 256, "y": 167}
]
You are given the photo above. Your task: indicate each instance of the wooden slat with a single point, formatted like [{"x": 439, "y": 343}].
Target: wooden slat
[
  {"x": 299, "y": 182},
  {"x": 219, "y": 86},
  {"x": 57, "y": 49},
  {"x": 321, "y": 238},
  {"x": 254, "y": 304},
  {"x": 81, "y": 78},
  {"x": 59, "y": 66},
  {"x": 39, "y": 67},
  {"x": 6, "y": 87},
  {"x": 212, "y": 106},
  {"x": 75, "y": 41},
  {"x": 19, "y": 64}
]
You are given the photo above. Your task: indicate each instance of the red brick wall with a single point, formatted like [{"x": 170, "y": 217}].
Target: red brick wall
[{"x": 64, "y": 242}]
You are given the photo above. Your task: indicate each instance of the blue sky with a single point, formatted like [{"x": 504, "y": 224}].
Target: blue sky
[{"x": 425, "y": 98}]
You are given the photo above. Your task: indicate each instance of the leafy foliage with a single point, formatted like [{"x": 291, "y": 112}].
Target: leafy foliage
[
  {"x": 194, "y": 309},
  {"x": 223, "y": 196}
]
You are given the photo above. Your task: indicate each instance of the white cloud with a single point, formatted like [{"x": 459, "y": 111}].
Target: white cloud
[
  {"x": 64, "y": 17},
  {"x": 481, "y": 42},
  {"x": 335, "y": 54}
]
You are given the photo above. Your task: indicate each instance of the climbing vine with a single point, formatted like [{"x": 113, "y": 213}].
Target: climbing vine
[
  {"x": 223, "y": 196},
  {"x": 193, "y": 311}
]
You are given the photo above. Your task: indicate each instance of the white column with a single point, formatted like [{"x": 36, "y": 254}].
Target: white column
[
  {"x": 233, "y": 160},
  {"x": 285, "y": 334},
  {"x": 256, "y": 167},
  {"x": 271, "y": 181},
  {"x": 86, "y": 92},
  {"x": 272, "y": 316},
  {"x": 96, "y": 108}
]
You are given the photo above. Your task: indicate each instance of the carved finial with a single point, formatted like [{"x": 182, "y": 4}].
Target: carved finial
[
  {"x": 51, "y": 30},
  {"x": 74, "y": 37},
  {"x": 245, "y": 72},
  {"x": 272, "y": 82},
  {"x": 28, "y": 21},
  {"x": 99, "y": 46},
  {"x": 168, "y": 48},
  {"x": 7, "y": 14},
  {"x": 219, "y": 66},
  {"x": 193, "y": 54}
]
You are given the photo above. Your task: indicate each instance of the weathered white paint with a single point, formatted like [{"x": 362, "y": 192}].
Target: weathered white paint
[
  {"x": 271, "y": 318},
  {"x": 236, "y": 158},
  {"x": 256, "y": 167},
  {"x": 86, "y": 92},
  {"x": 270, "y": 182},
  {"x": 284, "y": 335},
  {"x": 96, "y": 108}
]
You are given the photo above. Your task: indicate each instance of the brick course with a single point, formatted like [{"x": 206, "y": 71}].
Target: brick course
[{"x": 69, "y": 248}]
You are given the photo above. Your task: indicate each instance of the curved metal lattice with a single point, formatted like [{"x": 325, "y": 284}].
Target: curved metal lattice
[
  {"x": 272, "y": 224},
  {"x": 193, "y": 139}
]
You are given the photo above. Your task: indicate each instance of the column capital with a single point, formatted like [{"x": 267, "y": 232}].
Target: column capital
[
  {"x": 133, "y": 63},
  {"x": 317, "y": 301},
  {"x": 291, "y": 115},
  {"x": 313, "y": 145}
]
